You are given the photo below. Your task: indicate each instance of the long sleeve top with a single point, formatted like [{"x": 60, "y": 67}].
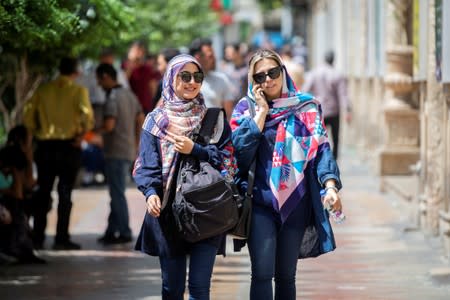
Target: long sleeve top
[
  {"x": 250, "y": 143},
  {"x": 158, "y": 236}
]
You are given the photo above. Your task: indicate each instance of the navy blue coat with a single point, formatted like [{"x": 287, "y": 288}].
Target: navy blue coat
[
  {"x": 159, "y": 236},
  {"x": 250, "y": 143}
]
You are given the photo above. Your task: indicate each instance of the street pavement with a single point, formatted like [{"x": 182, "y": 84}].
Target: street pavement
[{"x": 379, "y": 255}]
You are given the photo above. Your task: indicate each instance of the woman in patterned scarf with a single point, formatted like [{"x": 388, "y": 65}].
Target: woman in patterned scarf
[
  {"x": 167, "y": 132},
  {"x": 294, "y": 163}
]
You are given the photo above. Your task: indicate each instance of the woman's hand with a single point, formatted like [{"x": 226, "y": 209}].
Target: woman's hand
[
  {"x": 154, "y": 205},
  {"x": 182, "y": 144},
  {"x": 333, "y": 199},
  {"x": 263, "y": 106},
  {"x": 260, "y": 98}
]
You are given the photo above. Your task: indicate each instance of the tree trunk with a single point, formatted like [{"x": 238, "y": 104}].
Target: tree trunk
[{"x": 25, "y": 85}]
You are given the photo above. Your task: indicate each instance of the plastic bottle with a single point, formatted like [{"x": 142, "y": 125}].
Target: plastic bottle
[{"x": 337, "y": 216}]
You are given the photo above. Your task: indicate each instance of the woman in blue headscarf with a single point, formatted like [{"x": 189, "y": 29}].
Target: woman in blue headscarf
[
  {"x": 167, "y": 132},
  {"x": 288, "y": 140}
]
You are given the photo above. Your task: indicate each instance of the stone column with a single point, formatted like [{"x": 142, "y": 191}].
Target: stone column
[
  {"x": 444, "y": 213},
  {"x": 434, "y": 111},
  {"x": 400, "y": 148}
]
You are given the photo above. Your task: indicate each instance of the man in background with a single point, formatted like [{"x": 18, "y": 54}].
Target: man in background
[
  {"x": 330, "y": 88},
  {"x": 143, "y": 78},
  {"x": 217, "y": 89},
  {"x": 236, "y": 69},
  {"x": 294, "y": 69},
  {"x": 58, "y": 115},
  {"x": 122, "y": 123}
]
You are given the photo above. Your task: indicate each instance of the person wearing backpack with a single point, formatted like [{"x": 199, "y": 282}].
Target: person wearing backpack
[
  {"x": 168, "y": 133},
  {"x": 287, "y": 139}
]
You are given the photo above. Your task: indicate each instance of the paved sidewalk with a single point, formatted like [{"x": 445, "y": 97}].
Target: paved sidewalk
[{"x": 377, "y": 256}]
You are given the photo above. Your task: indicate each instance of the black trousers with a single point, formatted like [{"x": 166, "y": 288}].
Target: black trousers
[
  {"x": 55, "y": 158},
  {"x": 334, "y": 122}
]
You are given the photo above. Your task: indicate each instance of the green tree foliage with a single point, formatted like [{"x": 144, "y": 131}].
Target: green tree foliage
[
  {"x": 173, "y": 23},
  {"x": 63, "y": 27},
  {"x": 270, "y": 4},
  {"x": 35, "y": 34},
  {"x": 34, "y": 25}
]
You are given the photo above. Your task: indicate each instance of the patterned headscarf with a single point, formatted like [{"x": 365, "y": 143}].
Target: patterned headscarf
[
  {"x": 175, "y": 115},
  {"x": 300, "y": 135}
]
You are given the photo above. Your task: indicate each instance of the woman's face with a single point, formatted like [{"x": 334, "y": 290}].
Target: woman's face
[
  {"x": 188, "y": 90},
  {"x": 271, "y": 86}
]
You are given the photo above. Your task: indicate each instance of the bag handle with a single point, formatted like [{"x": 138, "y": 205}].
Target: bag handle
[
  {"x": 208, "y": 123},
  {"x": 251, "y": 171}
]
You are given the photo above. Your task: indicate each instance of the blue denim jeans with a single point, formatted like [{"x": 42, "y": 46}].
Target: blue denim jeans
[
  {"x": 117, "y": 171},
  {"x": 173, "y": 273},
  {"x": 274, "y": 251}
]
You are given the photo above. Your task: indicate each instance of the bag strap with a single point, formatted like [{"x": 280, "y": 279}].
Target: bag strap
[
  {"x": 204, "y": 136},
  {"x": 251, "y": 171},
  {"x": 208, "y": 123}
]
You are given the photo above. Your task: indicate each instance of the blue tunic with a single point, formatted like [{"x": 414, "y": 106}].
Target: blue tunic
[
  {"x": 249, "y": 142},
  {"x": 158, "y": 236}
]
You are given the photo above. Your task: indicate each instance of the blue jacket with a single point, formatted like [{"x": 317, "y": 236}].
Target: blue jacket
[
  {"x": 159, "y": 236},
  {"x": 250, "y": 143}
]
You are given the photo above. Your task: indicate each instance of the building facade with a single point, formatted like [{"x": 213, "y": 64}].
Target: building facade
[{"x": 396, "y": 54}]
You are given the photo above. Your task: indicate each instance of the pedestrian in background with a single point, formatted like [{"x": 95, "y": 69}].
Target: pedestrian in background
[
  {"x": 330, "y": 88},
  {"x": 295, "y": 70},
  {"x": 58, "y": 115},
  {"x": 217, "y": 89},
  {"x": 92, "y": 162},
  {"x": 294, "y": 163},
  {"x": 122, "y": 123},
  {"x": 162, "y": 61},
  {"x": 15, "y": 234},
  {"x": 236, "y": 69},
  {"x": 142, "y": 77},
  {"x": 167, "y": 133},
  {"x": 21, "y": 138}
]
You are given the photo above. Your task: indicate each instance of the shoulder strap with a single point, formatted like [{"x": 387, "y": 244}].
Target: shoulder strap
[
  {"x": 208, "y": 123},
  {"x": 251, "y": 171}
]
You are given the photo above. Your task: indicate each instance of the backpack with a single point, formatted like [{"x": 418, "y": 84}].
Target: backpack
[{"x": 204, "y": 205}]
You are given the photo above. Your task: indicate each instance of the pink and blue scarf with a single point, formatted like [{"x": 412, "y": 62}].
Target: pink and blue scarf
[{"x": 300, "y": 133}]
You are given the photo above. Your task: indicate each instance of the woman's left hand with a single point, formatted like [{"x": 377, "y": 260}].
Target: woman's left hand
[
  {"x": 182, "y": 144},
  {"x": 333, "y": 199}
]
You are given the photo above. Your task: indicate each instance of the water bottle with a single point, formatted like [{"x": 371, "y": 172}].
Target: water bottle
[{"x": 337, "y": 216}]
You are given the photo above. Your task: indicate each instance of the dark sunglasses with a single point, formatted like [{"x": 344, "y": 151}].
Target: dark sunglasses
[
  {"x": 273, "y": 73},
  {"x": 187, "y": 76}
]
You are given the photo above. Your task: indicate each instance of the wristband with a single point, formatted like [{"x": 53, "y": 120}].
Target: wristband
[{"x": 332, "y": 187}]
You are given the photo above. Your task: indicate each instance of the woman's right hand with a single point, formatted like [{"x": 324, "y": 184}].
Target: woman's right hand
[
  {"x": 260, "y": 98},
  {"x": 154, "y": 205}
]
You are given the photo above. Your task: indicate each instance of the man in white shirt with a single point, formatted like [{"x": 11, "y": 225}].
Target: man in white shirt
[{"x": 216, "y": 88}]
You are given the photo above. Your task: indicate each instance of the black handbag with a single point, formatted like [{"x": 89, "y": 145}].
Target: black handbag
[
  {"x": 242, "y": 229},
  {"x": 204, "y": 205}
]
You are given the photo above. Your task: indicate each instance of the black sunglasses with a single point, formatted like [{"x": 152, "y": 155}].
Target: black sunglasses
[
  {"x": 187, "y": 76},
  {"x": 273, "y": 73}
]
